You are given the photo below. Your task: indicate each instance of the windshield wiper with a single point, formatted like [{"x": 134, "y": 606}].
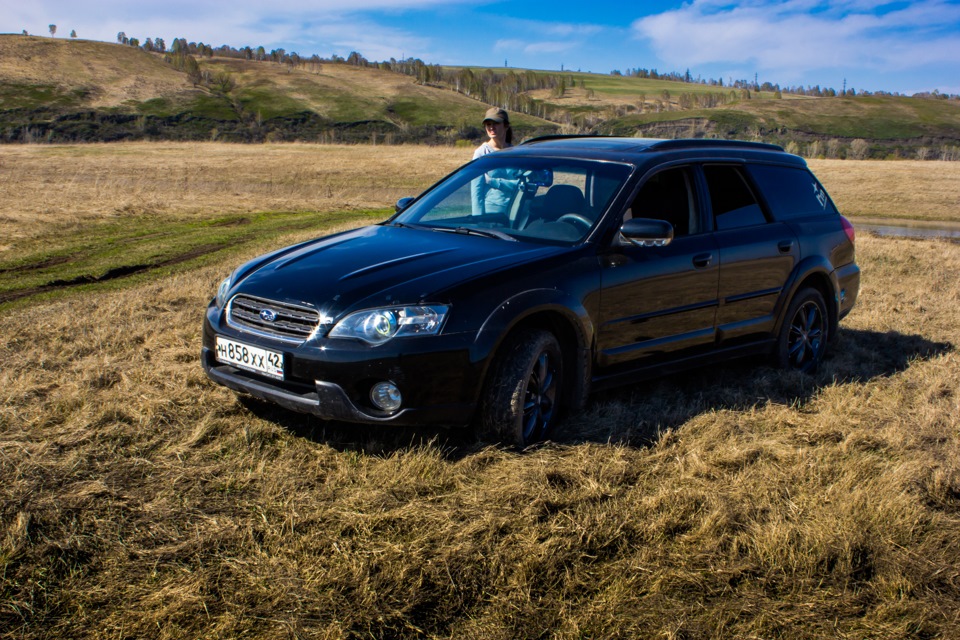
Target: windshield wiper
[
  {"x": 407, "y": 225},
  {"x": 474, "y": 231}
]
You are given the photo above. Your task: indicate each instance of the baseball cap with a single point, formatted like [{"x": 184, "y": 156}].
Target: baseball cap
[{"x": 496, "y": 114}]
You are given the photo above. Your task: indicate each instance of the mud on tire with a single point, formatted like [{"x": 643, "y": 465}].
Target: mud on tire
[{"x": 522, "y": 399}]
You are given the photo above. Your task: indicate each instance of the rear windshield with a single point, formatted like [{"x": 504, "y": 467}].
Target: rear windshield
[{"x": 791, "y": 192}]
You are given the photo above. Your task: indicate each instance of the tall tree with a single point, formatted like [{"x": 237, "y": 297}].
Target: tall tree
[{"x": 53, "y": 30}]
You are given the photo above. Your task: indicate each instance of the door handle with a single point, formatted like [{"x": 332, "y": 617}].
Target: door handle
[
  {"x": 702, "y": 260},
  {"x": 785, "y": 246}
]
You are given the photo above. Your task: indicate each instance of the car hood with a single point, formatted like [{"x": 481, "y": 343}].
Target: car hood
[{"x": 380, "y": 265}]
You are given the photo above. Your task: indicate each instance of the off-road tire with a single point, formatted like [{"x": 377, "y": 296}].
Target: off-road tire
[{"x": 522, "y": 399}]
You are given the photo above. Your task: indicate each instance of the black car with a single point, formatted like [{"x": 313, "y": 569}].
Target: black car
[{"x": 507, "y": 292}]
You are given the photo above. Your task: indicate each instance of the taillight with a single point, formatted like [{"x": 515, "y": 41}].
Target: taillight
[{"x": 848, "y": 229}]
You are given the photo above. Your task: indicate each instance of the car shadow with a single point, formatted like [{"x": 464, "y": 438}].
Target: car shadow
[
  {"x": 367, "y": 439},
  {"x": 636, "y": 415}
]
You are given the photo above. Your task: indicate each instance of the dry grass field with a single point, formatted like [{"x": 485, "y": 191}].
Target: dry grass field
[
  {"x": 904, "y": 189},
  {"x": 138, "y": 500},
  {"x": 48, "y": 189}
]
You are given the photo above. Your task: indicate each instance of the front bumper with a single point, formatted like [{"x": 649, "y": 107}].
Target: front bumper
[
  {"x": 329, "y": 401},
  {"x": 331, "y": 379}
]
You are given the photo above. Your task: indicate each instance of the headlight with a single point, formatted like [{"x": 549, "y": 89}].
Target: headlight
[
  {"x": 222, "y": 293},
  {"x": 376, "y": 326}
]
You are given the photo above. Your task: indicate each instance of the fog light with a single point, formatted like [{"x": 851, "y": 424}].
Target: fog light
[{"x": 385, "y": 396}]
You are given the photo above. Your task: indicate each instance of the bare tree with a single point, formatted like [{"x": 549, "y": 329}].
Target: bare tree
[
  {"x": 833, "y": 148},
  {"x": 859, "y": 149}
]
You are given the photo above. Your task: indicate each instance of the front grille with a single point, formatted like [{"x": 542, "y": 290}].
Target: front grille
[{"x": 290, "y": 321}]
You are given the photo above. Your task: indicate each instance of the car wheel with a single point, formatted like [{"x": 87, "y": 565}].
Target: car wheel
[
  {"x": 803, "y": 337},
  {"x": 522, "y": 398}
]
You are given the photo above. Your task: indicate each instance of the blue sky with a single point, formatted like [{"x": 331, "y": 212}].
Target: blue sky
[{"x": 906, "y": 47}]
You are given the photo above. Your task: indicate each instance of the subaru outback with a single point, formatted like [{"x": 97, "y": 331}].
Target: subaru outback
[{"x": 505, "y": 294}]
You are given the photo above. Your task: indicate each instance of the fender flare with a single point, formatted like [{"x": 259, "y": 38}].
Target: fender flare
[
  {"x": 551, "y": 309},
  {"x": 819, "y": 269}
]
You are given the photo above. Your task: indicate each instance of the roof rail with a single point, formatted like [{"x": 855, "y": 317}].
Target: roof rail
[
  {"x": 684, "y": 143},
  {"x": 563, "y": 136},
  {"x": 663, "y": 145}
]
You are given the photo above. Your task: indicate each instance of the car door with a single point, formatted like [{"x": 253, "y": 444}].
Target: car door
[
  {"x": 757, "y": 255},
  {"x": 659, "y": 303}
]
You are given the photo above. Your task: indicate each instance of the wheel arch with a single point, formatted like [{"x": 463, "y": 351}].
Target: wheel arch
[
  {"x": 816, "y": 274},
  {"x": 549, "y": 310}
]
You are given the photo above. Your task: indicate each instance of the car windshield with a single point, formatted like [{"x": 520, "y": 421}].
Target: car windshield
[{"x": 520, "y": 198}]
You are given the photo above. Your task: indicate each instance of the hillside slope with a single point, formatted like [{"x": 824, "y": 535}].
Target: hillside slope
[
  {"x": 82, "y": 73},
  {"x": 76, "y": 90}
]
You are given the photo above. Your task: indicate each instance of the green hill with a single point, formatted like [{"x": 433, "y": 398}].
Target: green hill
[{"x": 75, "y": 90}]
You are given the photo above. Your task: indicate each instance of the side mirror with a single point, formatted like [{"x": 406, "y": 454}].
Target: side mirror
[
  {"x": 646, "y": 232},
  {"x": 403, "y": 203},
  {"x": 537, "y": 178}
]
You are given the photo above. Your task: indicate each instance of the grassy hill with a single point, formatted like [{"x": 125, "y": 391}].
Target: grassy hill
[{"x": 76, "y": 90}]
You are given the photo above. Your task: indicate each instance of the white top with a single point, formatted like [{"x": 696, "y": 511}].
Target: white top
[{"x": 493, "y": 192}]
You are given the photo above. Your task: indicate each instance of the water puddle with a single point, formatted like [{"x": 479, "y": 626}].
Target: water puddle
[{"x": 900, "y": 228}]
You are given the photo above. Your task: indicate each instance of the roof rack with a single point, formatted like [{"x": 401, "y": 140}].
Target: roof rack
[
  {"x": 563, "y": 136},
  {"x": 684, "y": 143},
  {"x": 663, "y": 145}
]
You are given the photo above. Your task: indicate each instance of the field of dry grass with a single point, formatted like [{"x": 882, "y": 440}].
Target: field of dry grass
[
  {"x": 139, "y": 500},
  {"x": 906, "y": 189},
  {"x": 46, "y": 189}
]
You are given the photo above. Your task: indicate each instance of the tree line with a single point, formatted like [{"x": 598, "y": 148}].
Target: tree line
[{"x": 496, "y": 87}]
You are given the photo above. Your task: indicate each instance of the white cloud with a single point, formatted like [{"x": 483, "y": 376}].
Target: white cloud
[
  {"x": 326, "y": 26},
  {"x": 545, "y": 38},
  {"x": 534, "y": 48},
  {"x": 799, "y": 36}
]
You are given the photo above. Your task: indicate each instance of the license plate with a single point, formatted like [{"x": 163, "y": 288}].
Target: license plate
[{"x": 245, "y": 356}]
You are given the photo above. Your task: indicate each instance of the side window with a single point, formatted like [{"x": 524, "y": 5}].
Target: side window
[
  {"x": 733, "y": 202},
  {"x": 791, "y": 192},
  {"x": 669, "y": 195}
]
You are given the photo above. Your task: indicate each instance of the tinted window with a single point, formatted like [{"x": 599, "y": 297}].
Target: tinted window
[
  {"x": 791, "y": 192},
  {"x": 731, "y": 198},
  {"x": 668, "y": 196}
]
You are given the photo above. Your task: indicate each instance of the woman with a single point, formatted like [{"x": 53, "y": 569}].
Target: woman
[
  {"x": 493, "y": 192},
  {"x": 496, "y": 123}
]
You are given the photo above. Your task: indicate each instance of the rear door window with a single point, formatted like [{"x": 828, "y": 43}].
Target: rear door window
[
  {"x": 791, "y": 192},
  {"x": 732, "y": 200}
]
